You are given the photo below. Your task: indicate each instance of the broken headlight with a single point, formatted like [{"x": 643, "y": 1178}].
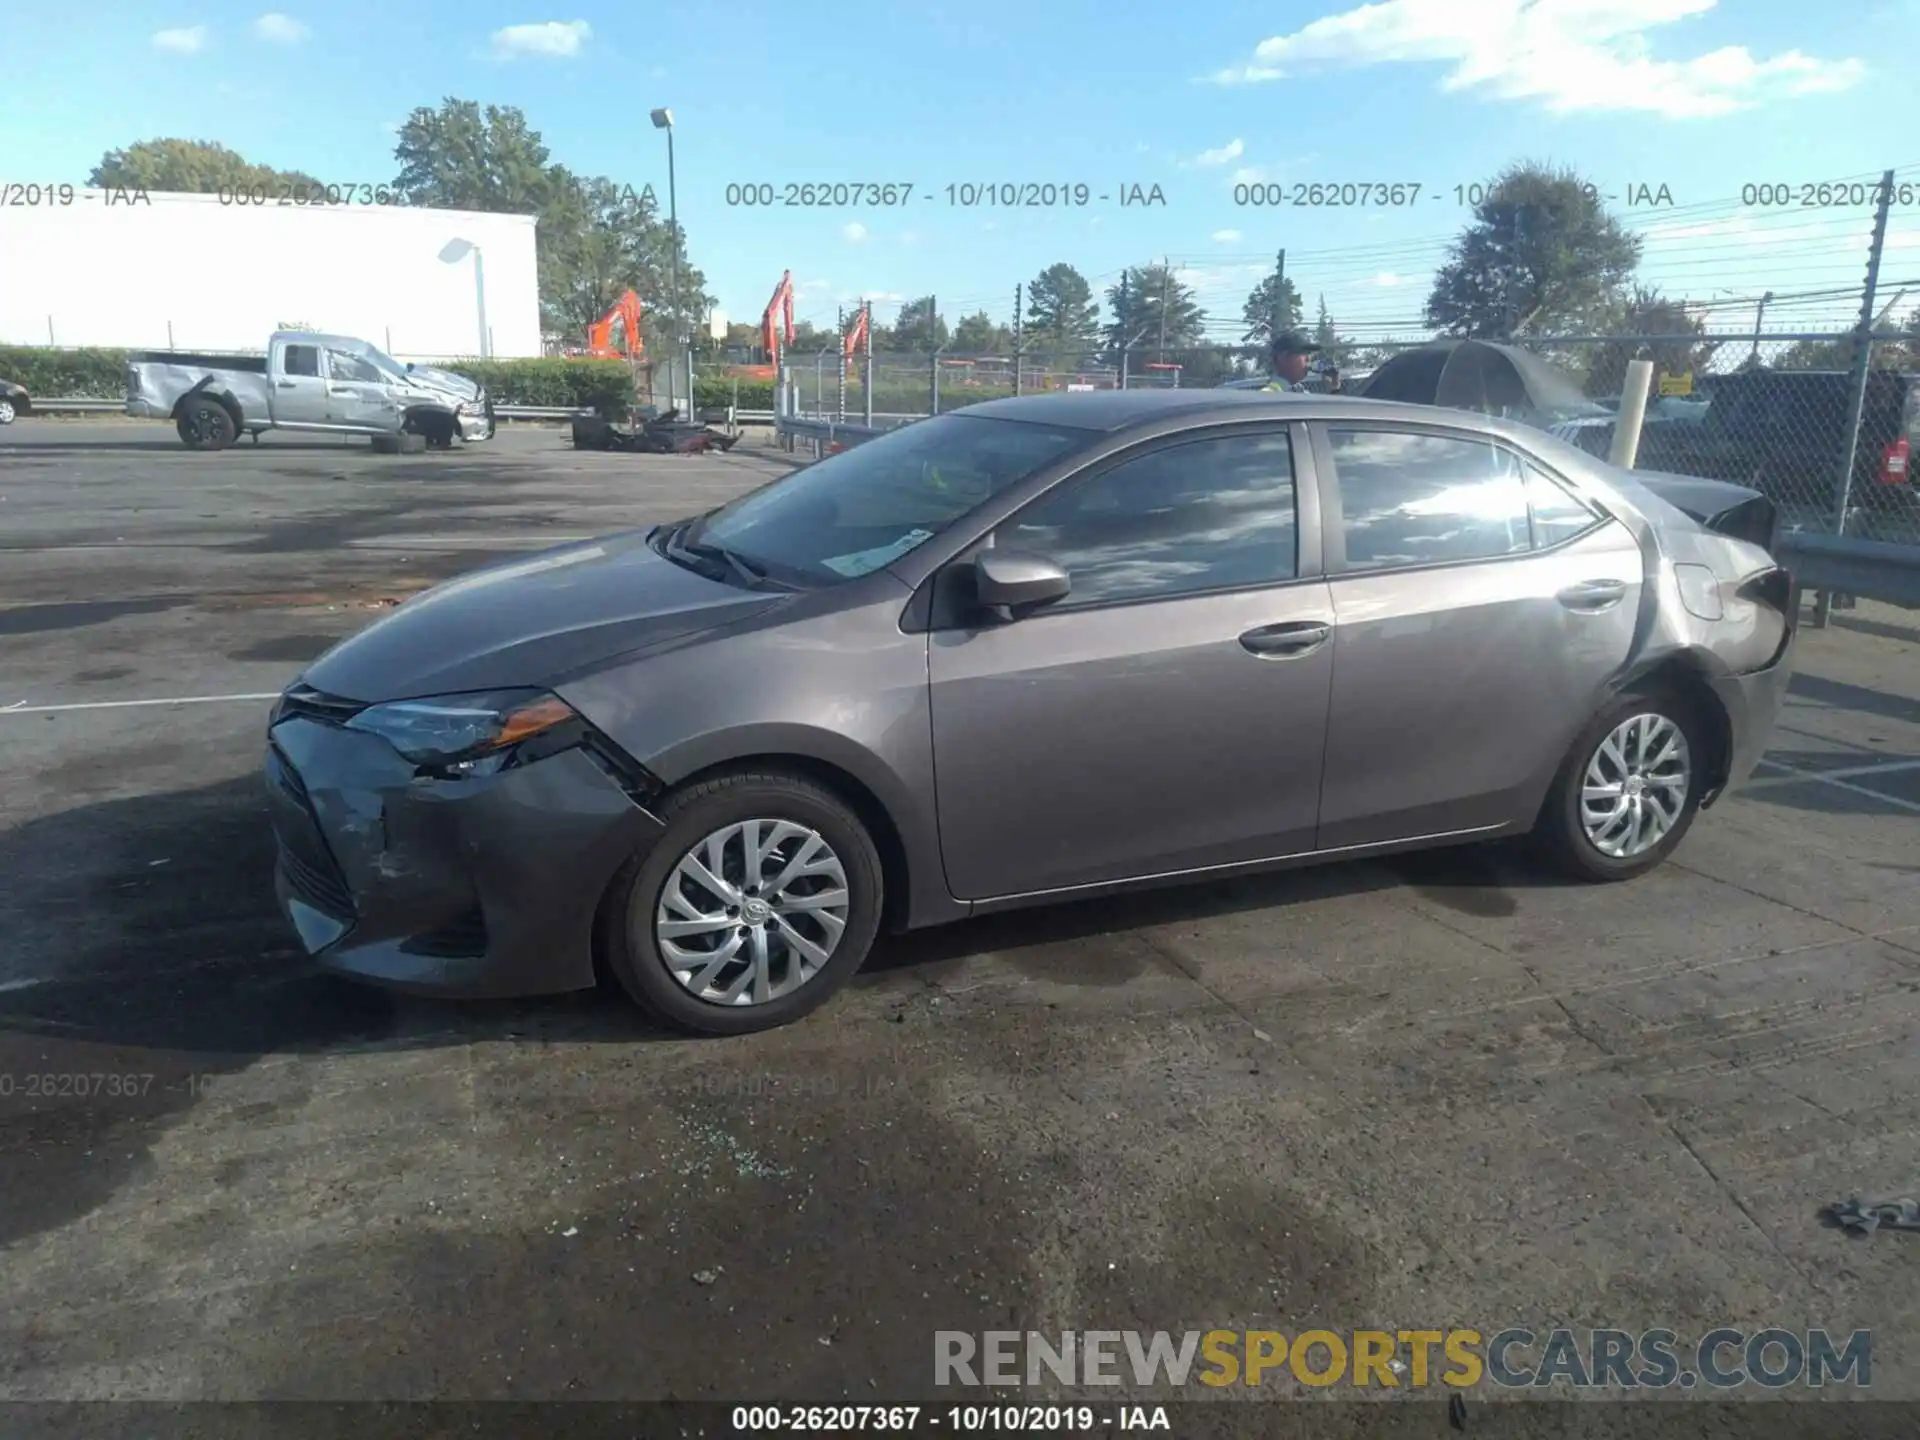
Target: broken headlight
[{"x": 478, "y": 734}]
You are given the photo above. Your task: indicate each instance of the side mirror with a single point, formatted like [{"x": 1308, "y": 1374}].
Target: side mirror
[{"x": 1012, "y": 582}]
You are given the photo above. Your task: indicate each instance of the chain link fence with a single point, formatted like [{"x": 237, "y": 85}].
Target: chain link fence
[{"x": 1773, "y": 411}]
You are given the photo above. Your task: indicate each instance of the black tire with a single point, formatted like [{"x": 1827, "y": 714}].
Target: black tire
[
  {"x": 628, "y": 938},
  {"x": 205, "y": 425},
  {"x": 1560, "y": 830}
]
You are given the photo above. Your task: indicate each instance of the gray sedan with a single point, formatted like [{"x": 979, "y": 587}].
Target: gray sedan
[{"x": 1036, "y": 650}]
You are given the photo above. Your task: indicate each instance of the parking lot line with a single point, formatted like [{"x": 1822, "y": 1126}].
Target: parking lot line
[
  {"x": 1851, "y": 772},
  {"x": 1796, "y": 774},
  {"x": 24, "y": 709}
]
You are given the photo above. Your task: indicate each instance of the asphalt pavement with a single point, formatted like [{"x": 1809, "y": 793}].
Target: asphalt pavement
[{"x": 1446, "y": 1091}]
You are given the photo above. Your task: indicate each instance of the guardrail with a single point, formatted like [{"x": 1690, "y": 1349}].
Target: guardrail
[
  {"x": 827, "y": 435},
  {"x": 1842, "y": 565}
]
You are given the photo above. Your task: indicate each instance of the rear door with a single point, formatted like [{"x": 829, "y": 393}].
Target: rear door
[
  {"x": 359, "y": 396},
  {"x": 1481, "y": 611},
  {"x": 299, "y": 386},
  {"x": 1169, "y": 714}
]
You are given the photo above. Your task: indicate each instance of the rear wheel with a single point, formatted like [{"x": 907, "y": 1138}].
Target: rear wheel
[
  {"x": 1629, "y": 789},
  {"x": 760, "y": 900},
  {"x": 206, "y": 425}
]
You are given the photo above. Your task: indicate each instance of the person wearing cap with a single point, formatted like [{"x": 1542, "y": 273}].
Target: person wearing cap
[{"x": 1289, "y": 353}]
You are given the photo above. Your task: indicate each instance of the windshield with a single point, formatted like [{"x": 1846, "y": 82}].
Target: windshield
[{"x": 865, "y": 508}]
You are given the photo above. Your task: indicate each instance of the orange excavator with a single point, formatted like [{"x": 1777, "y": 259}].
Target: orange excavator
[
  {"x": 776, "y": 332},
  {"x": 624, "y": 312},
  {"x": 857, "y": 335}
]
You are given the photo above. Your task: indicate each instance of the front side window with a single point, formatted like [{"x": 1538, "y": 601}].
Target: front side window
[
  {"x": 346, "y": 366},
  {"x": 301, "y": 360},
  {"x": 1414, "y": 499},
  {"x": 1212, "y": 514},
  {"x": 863, "y": 509}
]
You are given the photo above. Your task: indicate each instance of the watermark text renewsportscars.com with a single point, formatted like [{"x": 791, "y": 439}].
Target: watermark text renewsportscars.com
[{"x": 1720, "y": 1359}]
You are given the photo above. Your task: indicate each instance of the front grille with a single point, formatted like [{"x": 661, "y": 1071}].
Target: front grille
[
  {"x": 312, "y": 704},
  {"x": 461, "y": 940},
  {"x": 320, "y": 886}
]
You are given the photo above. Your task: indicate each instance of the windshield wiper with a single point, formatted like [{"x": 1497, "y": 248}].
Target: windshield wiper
[{"x": 746, "y": 571}]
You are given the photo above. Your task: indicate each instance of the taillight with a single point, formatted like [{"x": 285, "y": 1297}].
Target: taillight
[
  {"x": 1773, "y": 588},
  {"x": 1893, "y": 464}
]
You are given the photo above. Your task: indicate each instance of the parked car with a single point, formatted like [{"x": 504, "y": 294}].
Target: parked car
[
  {"x": 1037, "y": 649},
  {"x": 305, "y": 381},
  {"x": 1784, "y": 432},
  {"x": 14, "y": 401}
]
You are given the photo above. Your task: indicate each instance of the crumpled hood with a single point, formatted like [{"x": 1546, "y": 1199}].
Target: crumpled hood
[
  {"x": 444, "y": 382},
  {"x": 531, "y": 621}
]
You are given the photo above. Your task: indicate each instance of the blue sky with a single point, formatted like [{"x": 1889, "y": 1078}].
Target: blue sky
[{"x": 1701, "y": 97}]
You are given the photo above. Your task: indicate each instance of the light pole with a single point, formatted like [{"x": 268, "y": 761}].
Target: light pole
[
  {"x": 456, "y": 251},
  {"x": 663, "y": 120}
]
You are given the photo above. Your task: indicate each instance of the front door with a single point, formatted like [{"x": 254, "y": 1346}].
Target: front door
[
  {"x": 300, "y": 387},
  {"x": 1481, "y": 612},
  {"x": 1169, "y": 714},
  {"x": 359, "y": 397}
]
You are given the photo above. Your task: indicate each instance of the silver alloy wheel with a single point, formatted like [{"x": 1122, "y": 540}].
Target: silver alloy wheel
[
  {"x": 6, "y": 412},
  {"x": 1635, "y": 786},
  {"x": 752, "y": 912}
]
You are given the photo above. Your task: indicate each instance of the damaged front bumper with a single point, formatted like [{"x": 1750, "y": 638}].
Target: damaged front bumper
[{"x": 485, "y": 886}]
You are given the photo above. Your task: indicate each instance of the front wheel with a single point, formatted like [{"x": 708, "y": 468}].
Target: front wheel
[
  {"x": 6, "y": 412},
  {"x": 759, "y": 901},
  {"x": 1628, "y": 792}
]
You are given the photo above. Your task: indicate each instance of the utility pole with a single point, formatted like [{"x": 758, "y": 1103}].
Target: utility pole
[
  {"x": 933, "y": 355},
  {"x": 866, "y": 383},
  {"x": 1166, "y": 284},
  {"x": 1279, "y": 321},
  {"x": 1862, "y": 359},
  {"x": 840, "y": 334},
  {"x": 1019, "y": 295},
  {"x": 1126, "y": 324},
  {"x": 1759, "y": 317}
]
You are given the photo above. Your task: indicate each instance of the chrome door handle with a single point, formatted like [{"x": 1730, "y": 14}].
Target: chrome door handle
[
  {"x": 343, "y": 391},
  {"x": 1286, "y": 640},
  {"x": 287, "y": 385},
  {"x": 1590, "y": 597}
]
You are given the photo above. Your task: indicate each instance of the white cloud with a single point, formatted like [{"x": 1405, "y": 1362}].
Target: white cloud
[
  {"x": 1247, "y": 175},
  {"x": 1213, "y": 159},
  {"x": 278, "y": 29},
  {"x": 854, "y": 231},
  {"x": 1227, "y": 237},
  {"x": 1571, "y": 55},
  {"x": 873, "y": 297},
  {"x": 549, "y": 38},
  {"x": 1387, "y": 280},
  {"x": 811, "y": 284},
  {"x": 190, "y": 40}
]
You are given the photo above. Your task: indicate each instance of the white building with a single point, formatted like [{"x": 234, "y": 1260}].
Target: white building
[{"x": 221, "y": 272}]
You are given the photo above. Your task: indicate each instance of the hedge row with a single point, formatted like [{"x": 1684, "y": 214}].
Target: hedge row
[
  {"x": 101, "y": 375},
  {"x": 603, "y": 385}
]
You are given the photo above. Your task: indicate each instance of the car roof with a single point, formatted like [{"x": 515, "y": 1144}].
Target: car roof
[{"x": 1116, "y": 410}]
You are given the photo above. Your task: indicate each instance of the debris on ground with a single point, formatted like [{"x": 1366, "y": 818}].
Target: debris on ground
[{"x": 1863, "y": 1217}]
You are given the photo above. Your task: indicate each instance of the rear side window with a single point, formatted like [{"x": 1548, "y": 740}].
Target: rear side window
[
  {"x": 1411, "y": 499},
  {"x": 302, "y": 360},
  {"x": 1556, "y": 512}
]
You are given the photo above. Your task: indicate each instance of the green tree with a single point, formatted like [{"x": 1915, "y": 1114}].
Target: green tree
[
  {"x": 1062, "y": 317},
  {"x": 1154, "y": 313},
  {"x": 461, "y": 157},
  {"x": 1541, "y": 254},
  {"x": 918, "y": 327},
  {"x": 598, "y": 238},
  {"x": 1257, "y": 314},
  {"x": 1602, "y": 369},
  {"x": 197, "y": 167},
  {"x": 1327, "y": 336},
  {"x": 980, "y": 334}
]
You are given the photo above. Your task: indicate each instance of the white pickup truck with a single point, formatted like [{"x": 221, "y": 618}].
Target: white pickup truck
[{"x": 306, "y": 381}]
